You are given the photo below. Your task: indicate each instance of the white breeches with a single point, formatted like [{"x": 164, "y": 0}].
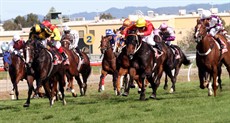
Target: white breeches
[{"x": 149, "y": 39}]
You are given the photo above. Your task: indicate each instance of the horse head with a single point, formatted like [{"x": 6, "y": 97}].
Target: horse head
[
  {"x": 7, "y": 61},
  {"x": 29, "y": 51},
  {"x": 65, "y": 42},
  {"x": 105, "y": 44},
  {"x": 200, "y": 32},
  {"x": 133, "y": 43}
]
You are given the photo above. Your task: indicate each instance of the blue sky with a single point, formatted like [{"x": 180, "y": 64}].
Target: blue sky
[{"x": 12, "y": 8}]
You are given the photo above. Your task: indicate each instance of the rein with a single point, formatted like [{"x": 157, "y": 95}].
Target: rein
[{"x": 138, "y": 46}]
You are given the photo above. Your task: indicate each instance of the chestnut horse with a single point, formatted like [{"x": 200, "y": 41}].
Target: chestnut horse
[
  {"x": 16, "y": 67},
  {"x": 209, "y": 58},
  {"x": 76, "y": 67},
  {"x": 40, "y": 60},
  {"x": 108, "y": 63}
]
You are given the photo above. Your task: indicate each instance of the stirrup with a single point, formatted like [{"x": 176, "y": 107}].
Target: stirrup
[
  {"x": 177, "y": 57},
  {"x": 55, "y": 62},
  {"x": 66, "y": 62},
  {"x": 224, "y": 50}
]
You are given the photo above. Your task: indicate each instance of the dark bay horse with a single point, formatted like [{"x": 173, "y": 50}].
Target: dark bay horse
[
  {"x": 16, "y": 67},
  {"x": 146, "y": 64},
  {"x": 76, "y": 67},
  {"x": 208, "y": 58},
  {"x": 108, "y": 63},
  {"x": 40, "y": 60},
  {"x": 172, "y": 65}
]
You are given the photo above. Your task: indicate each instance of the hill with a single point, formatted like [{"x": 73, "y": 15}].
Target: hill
[{"x": 121, "y": 13}]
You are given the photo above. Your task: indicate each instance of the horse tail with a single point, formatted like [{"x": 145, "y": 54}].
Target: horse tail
[{"x": 185, "y": 60}]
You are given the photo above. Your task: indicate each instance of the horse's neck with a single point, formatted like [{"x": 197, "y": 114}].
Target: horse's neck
[{"x": 109, "y": 54}]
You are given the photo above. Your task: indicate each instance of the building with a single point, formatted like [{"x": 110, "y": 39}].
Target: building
[{"x": 183, "y": 24}]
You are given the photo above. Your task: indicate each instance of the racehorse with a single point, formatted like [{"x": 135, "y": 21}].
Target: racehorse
[
  {"x": 40, "y": 60},
  {"x": 76, "y": 67},
  {"x": 146, "y": 64},
  {"x": 172, "y": 65},
  {"x": 16, "y": 67},
  {"x": 108, "y": 63},
  {"x": 176, "y": 66},
  {"x": 208, "y": 58}
]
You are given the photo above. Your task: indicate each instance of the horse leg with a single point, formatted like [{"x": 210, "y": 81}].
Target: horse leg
[
  {"x": 85, "y": 76},
  {"x": 80, "y": 85},
  {"x": 62, "y": 84},
  {"x": 71, "y": 86},
  {"x": 121, "y": 73},
  {"x": 166, "y": 82},
  {"x": 142, "y": 94},
  {"x": 219, "y": 78},
  {"x": 102, "y": 81},
  {"x": 47, "y": 88},
  {"x": 115, "y": 74},
  {"x": 215, "y": 72},
  {"x": 30, "y": 80},
  {"x": 69, "y": 80},
  {"x": 155, "y": 80}
]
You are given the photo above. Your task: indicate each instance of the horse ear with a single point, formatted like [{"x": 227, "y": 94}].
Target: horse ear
[{"x": 102, "y": 36}]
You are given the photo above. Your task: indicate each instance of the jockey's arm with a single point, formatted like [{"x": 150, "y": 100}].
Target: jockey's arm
[
  {"x": 75, "y": 39},
  {"x": 56, "y": 35},
  {"x": 11, "y": 46},
  {"x": 148, "y": 30},
  {"x": 172, "y": 35}
]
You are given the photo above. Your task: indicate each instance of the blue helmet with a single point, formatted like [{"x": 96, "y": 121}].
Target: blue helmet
[{"x": 109, "y": 32}]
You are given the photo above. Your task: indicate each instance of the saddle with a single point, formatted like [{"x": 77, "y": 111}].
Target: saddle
[{"x": 175, "y": 51}]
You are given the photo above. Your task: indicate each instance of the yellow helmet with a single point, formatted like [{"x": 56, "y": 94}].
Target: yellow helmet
[{"x": 140, "y": 22}]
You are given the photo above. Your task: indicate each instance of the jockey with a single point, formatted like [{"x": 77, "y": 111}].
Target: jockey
[
  {"x": 214, "y": 26},
  {"x": 110, "y": 34},
  {"x": 56, "y": 37},
  {"x": 146, "y": 30},
  {"x": 74, "y": 39},
  {"x": 168, "y": 35},
  {"x": 16, "y": 45}
]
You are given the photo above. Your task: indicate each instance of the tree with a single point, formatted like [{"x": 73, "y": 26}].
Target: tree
[
  {"x": 187, "y": 43},
  {"x": 106, "y": 16},
  {"x": 48, "y": 15},
  {"x": 20, "y": 21},
  {"x": 31, "y": 19},
  {"x": 10, "y": 25}
]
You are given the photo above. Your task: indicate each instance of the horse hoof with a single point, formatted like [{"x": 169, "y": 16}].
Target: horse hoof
[
  {"x": 74, "y": 95},
  {"x": 165, "y": 87},
  {"x": 202, "y": 86},
  {"x": 153, "y": 96},
  {"x": 125, "y": 94},
  {"x": 26, "y": 105},
  {"x": 171, "y": 91},
  {"x": 132, "y": 86}
]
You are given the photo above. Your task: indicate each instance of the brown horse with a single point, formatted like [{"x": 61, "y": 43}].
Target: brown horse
[
  {"x": 76, "y": 67},
  {"x": 39, "y": 60},
  {"x": 16, "y": 67},
  {"x": 208, "y": 58},
  {"x": 108, "y": 63}
]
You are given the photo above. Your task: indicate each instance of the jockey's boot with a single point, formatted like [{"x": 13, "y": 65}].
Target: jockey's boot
[
  {"x": 55, "y": 62},
  {"x": 177, "y": 54},
  {"x": 65, "y": 59},
  {"x": 222, "y": 45},
  {"x": 159, "y": 50},
  {"x": 79, "y": 52}
]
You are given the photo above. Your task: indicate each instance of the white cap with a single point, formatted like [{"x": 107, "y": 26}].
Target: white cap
[
  {"x": 66, "y": 28},
  {"x": 205, "y": 14},
  {"x": 16, "y": 37}
]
